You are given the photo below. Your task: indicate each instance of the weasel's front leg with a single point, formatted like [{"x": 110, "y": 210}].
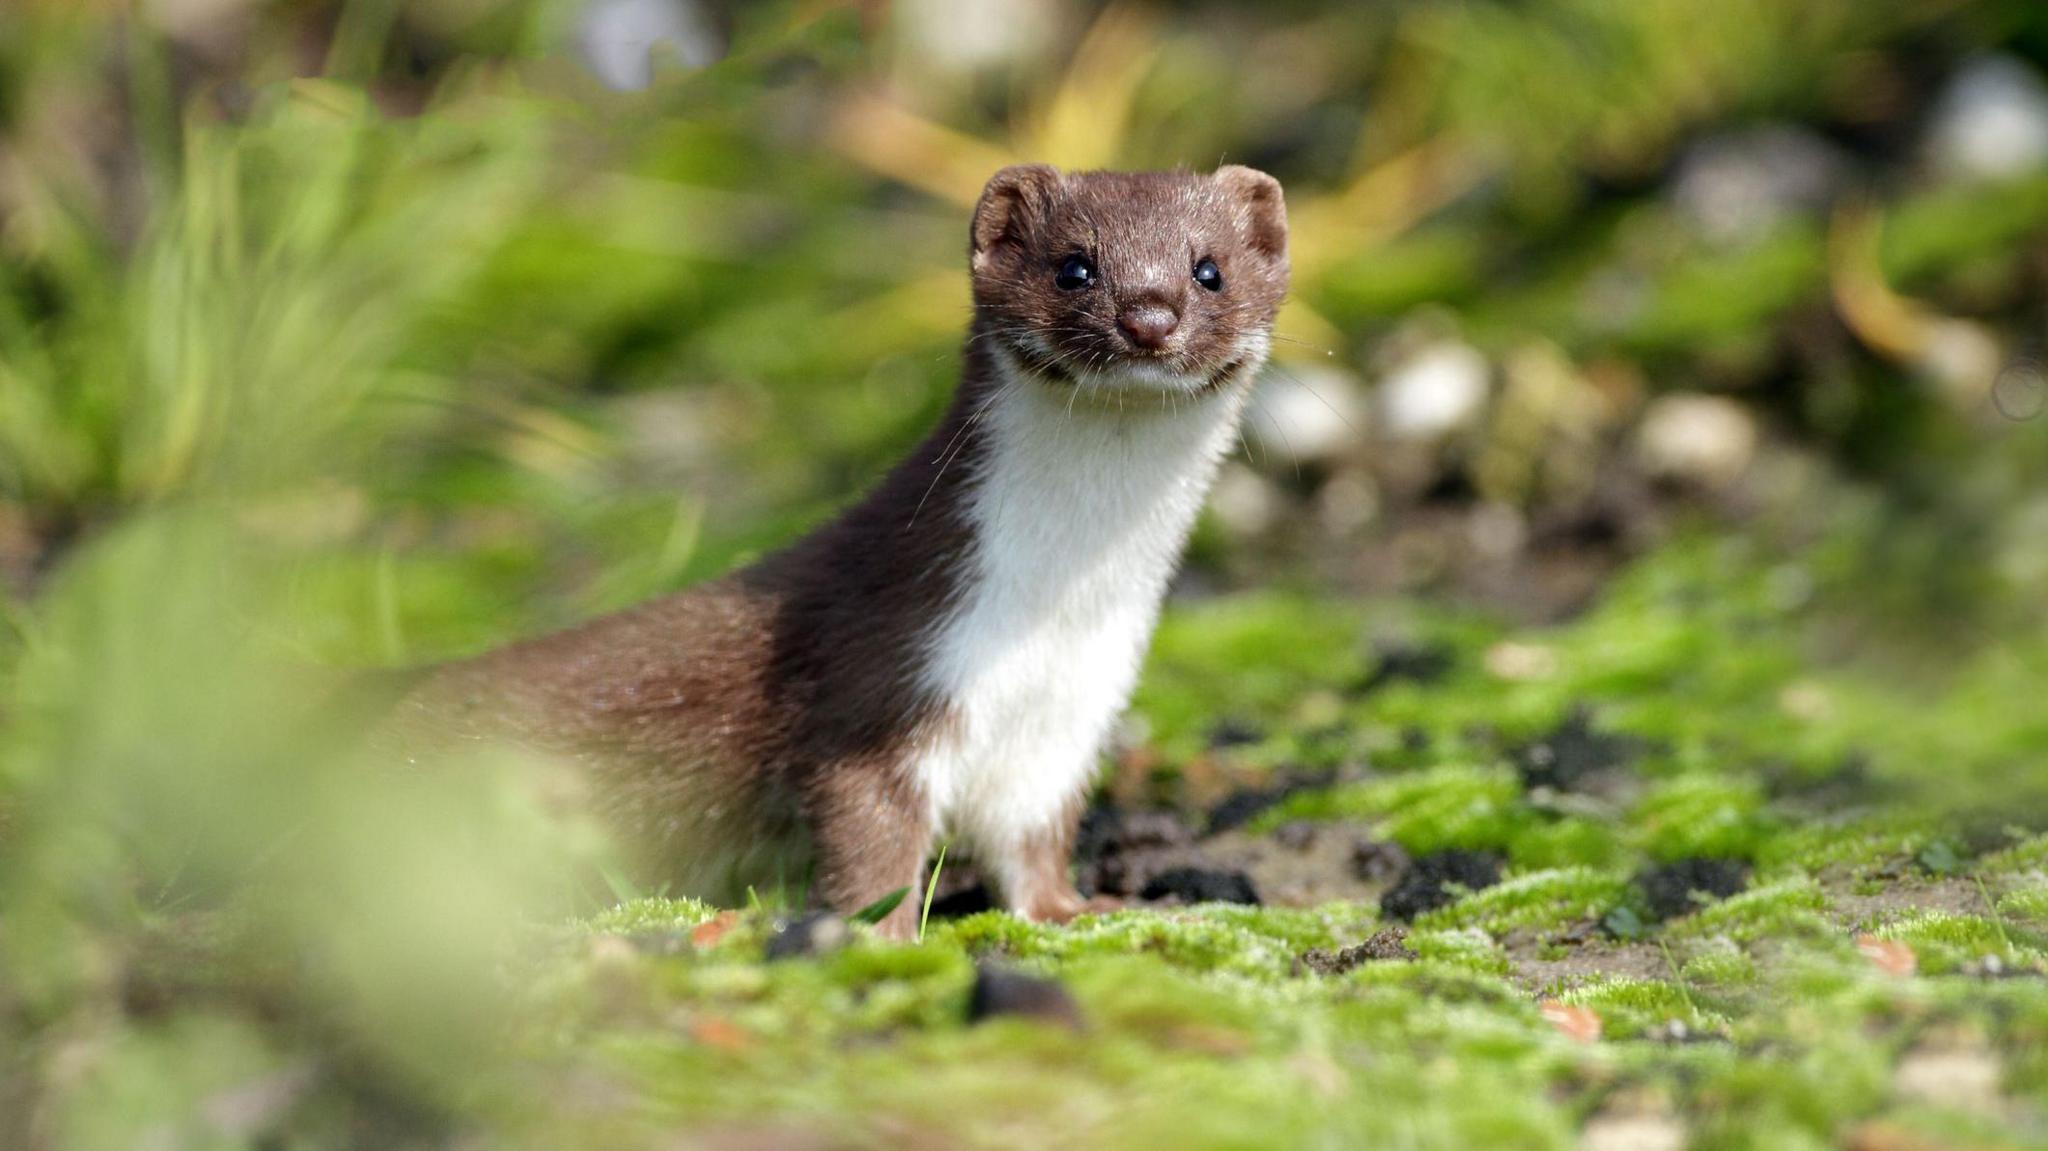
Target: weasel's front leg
[
  {"x": 1034, "y": 873},
  {"x": 870, "y": 834}
]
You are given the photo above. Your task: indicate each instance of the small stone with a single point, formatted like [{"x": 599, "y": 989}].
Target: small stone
[
  {"x": 1202, "y": 885},
  {"x": 1632, "y": 1133},
  {"x": 613, "y": 950},
  {"x": 813, "y": 934},
  {"x": 1348, "y": 502},
  {"x": 1245, "y": 502},
  {"x": 1991, "y": 123},
  {"x": 1736, "y": 186},
  {"x": 1295, "y": 834},
  {"x": 1704, "y": 440},
  {"x": 999, "y": 991},
  {"x": 1435, "y": 393},
  {"x": 620, "y": 39},
  {"x": 1312, "y": 414},
  {"x": 1521, "y": 662},
  {"x": 1967, "y": 1078},
  {"x": 1377, "y": 860}
]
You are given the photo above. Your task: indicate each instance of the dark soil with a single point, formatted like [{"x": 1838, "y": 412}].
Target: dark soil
[
  {"x": 1396, "y": 662},
  {"x": 1679, "y": 888},
  {"x": 1574, "y": 753},
  {"x": 1202, "y": 885},
  {"x": 1436, "y": 880},
  {"x": 1248, "y": 803}
]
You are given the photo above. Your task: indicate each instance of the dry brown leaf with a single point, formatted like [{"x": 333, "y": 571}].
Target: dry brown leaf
[
  {"x": 1581, "y": 1023},
  {"x": 1888, "y": 955},
  {"x": 709, "y": 932}
]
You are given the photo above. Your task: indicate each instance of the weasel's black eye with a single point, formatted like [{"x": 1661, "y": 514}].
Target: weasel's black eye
[
  {"x": 1076, "y": 272},
  {"x": 1209, "y": 275}
]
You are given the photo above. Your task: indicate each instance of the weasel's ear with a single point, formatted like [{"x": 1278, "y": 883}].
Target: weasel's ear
[
  {"x": 1261, "y": 210},
  {"x": 1014, "y": 201}
]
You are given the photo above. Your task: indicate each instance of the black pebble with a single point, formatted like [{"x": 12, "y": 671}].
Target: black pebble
[
  {"x": 1377, "y": 860},
  {"x": 1233, "y": 733},
  {"x": 811, "y": 934},
  {"x": 1668, "y": 888},
  {"x": 1572, "y": 752},
  {"x": 1428, "y": 882},
  {"x": 1202, "y": 885},
  {"x": 1415, "y": 663},
  {"x": 1002, "y": 992},
  {"x": 1248, "y": 803}
]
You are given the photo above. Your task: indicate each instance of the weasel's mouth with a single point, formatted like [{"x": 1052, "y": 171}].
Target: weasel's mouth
[{"x": 1118, "y": 371}]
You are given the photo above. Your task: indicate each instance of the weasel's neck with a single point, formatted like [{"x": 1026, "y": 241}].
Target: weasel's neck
[{"x": 1083, "y": 502}]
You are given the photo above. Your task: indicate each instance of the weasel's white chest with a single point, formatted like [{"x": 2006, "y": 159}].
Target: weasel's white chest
[{"x": 1079, "y": 521}]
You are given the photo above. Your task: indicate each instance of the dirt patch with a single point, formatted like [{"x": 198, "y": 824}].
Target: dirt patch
[
  {"x": 1581, "y": 963},
  {"x": 1310, "y": 864},
  {"x": 1901, "y": 898},
  {"x": 1389, "y": 944}
]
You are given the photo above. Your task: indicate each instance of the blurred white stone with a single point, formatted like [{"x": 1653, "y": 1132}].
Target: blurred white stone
[
  {"x": 970, "y": 35},
  {"x": 1991, "y": 123},
  {"x": 1962, "y": 358},
  {"x": 1967, "y": 1078},
  {"x": 1497, "y": 531},
  {"x": 1244, "y": 502},
  {"x": 1309, "y": 413},
  {"x": 1348, "y": 502},
  {"x": 1707, "y": 440},
  {"x": 1632, "y": 1133},
  {"x": 620, "y": 38},
  {"x": 1521, "y": 662},
  {"x": 1439, "y": 390},
  {"x": 1735, "y": 186}
]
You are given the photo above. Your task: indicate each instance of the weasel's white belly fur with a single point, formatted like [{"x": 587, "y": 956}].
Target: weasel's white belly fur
[{"x": 1080, "y": 514}]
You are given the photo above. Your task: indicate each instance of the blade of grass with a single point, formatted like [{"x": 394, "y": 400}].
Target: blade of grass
[
  {"x": 879, "y": 910},
  {"x": 931, "y": 888}
]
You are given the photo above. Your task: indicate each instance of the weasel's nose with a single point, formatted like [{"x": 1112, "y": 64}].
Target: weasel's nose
[{"x": 1148, "y": 325}]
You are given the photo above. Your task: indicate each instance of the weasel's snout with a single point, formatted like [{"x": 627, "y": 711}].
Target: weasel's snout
[{"x": 1148, "y": 326}]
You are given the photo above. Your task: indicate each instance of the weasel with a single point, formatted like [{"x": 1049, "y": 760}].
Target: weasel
[{"x": 947, "y": 657}]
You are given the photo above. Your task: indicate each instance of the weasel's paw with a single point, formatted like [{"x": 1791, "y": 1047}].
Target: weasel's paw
[{"x": 1064, "y": 906}]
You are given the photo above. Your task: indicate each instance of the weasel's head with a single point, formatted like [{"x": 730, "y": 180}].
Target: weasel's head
[{"x": 1162, "y": 282}]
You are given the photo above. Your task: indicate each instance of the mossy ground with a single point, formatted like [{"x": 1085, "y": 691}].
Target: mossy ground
[{"x": 1782, "y": 1016}]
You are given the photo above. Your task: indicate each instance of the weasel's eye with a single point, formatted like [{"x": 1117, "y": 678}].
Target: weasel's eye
[
  {"x": 1076, "y": 272},
  {"x": 1209, "y": 275}
]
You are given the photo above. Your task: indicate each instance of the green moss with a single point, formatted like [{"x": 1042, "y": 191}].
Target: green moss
[
  {"x": 1702, "y": 815},
  {"x": 1629, "y": 1007},
  {"x": 652, "y": 915},
  {"x": 1448, "y": 807},
  {"x": 1540, "y": 900},
  {"x": 1945, "y": 941},
  {"x": 1788, "y": 908}
]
